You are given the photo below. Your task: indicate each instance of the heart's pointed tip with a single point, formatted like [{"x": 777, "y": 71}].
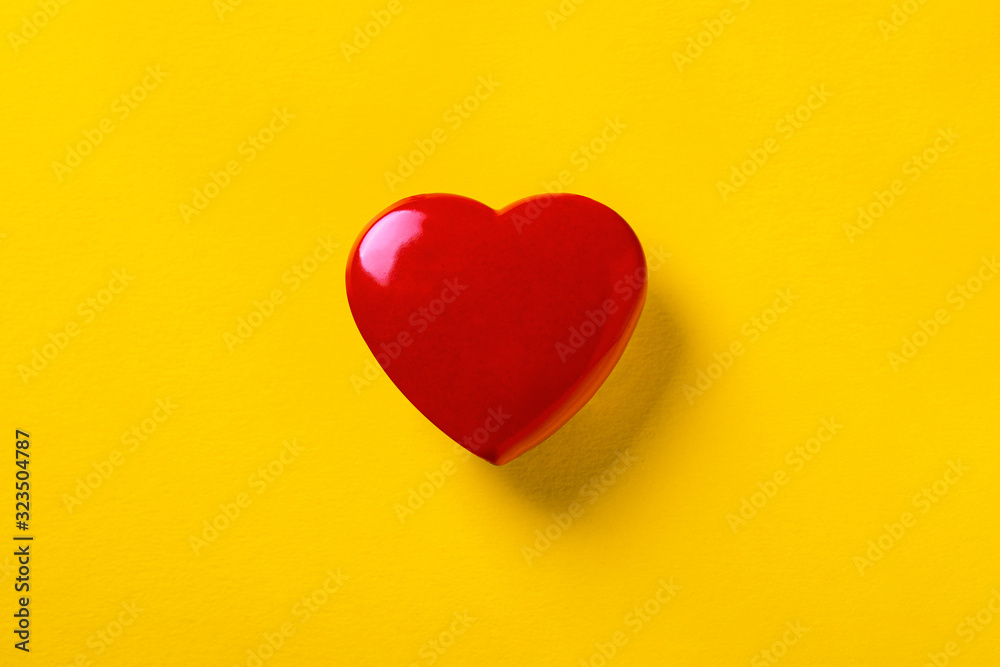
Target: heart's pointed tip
[{"x": 498, "y": 460}]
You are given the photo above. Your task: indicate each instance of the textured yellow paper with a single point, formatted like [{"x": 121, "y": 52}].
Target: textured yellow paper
[{"x": 170, "y": 170}]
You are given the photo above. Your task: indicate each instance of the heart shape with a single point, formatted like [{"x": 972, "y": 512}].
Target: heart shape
[{"x": 497, "y": 325}]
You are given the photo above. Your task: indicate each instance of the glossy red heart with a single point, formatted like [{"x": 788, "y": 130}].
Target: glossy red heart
[{"x": 497, "y": 325}]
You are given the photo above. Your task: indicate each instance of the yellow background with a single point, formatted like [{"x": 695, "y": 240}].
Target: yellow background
[{"x": 334, "y": 506}]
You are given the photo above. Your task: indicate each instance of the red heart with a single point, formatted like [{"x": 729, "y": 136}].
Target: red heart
[{"x": 497, "y": 325}]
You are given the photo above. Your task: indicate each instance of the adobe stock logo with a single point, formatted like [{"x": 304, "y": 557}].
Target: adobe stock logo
[
  {"x": 785, "y": 127},
  {"x": 88, "y": 310},
  {"x": 959, "y": 297},
  {"x": 924, "y": 500},
  {"x": 435, "y": 648},
  {"x": 495, "y": 416},
  {"x": 455, "y": 116},
  {"x": 625, "y": 289},
  {"x": 579, "y": 335},
  {"x": 495, "y": 419},
  {"x": 420, "y": 320},
  {"x": 250, "y": 148},
  {"x": 635, "y": 620},
  {"x": 968, "y": 629},
  {"x": 713, "y": 29},
  {"x": 776, "y": 651},
  {"x": 93, "y": 137},
  {"x": 372, "y": 29},
  {"x": 752, "y": 329},
  {"x": 30, "y": 25},
  {"x": 768, "y": 488},
  {"x": 915, "y": 167},
  {"x": 592, "y": 491}
]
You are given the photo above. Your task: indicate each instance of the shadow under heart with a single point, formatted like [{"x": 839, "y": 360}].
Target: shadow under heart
[{"x": 554, "y": 473}]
